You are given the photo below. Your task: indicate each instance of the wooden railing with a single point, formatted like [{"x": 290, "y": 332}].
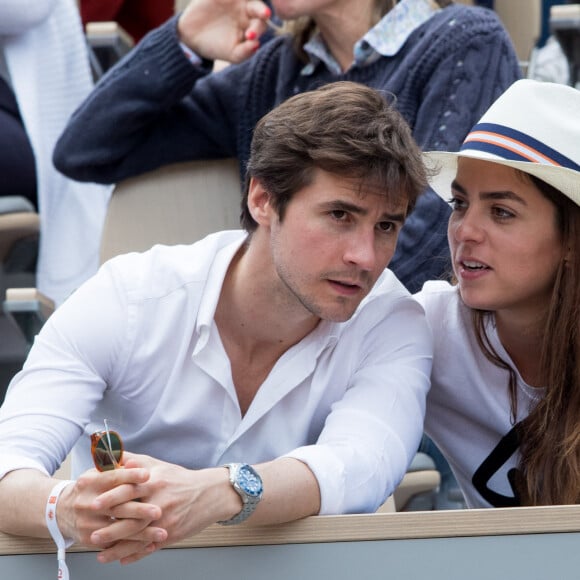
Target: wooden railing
[{"x": 532, "y": 543}]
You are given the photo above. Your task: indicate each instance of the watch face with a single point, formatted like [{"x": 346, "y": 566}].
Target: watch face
[{"x": 249, "y": 481}]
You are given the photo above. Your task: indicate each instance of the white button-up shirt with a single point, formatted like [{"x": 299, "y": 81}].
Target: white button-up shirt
[{"x": 137, "y": 345}]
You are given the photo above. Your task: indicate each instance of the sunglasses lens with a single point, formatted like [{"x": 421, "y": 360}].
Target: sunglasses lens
[{"x": 107, "y": 451}]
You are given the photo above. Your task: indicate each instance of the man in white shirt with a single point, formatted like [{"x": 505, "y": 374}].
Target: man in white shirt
[{"x": 289, "y": 347}]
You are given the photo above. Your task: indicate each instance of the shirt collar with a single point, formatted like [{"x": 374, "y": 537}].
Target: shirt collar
[
  {"x": 325, "y": 334},
  {"x": 385, "y": 39}
]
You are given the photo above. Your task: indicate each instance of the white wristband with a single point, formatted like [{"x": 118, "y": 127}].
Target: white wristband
[{"x": 52, "y": 526}]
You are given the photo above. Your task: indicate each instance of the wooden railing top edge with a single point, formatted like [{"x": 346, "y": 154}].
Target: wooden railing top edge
[{"x": 364, "y": 527}]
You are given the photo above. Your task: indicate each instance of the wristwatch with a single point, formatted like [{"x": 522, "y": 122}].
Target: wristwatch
[{"x": 246, "y": 481}]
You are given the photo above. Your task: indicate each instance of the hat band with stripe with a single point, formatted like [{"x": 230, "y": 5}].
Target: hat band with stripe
[{"x": 513, "y": 145}]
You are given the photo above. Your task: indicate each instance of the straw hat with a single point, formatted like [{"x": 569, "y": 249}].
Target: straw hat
[{"x": 534, "y": 127}]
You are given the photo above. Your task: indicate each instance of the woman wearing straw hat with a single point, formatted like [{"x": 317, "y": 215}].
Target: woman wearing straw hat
[{"x": 504, "y": 406}]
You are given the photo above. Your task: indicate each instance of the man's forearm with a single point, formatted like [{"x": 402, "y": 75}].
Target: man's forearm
[
  {"x": 291, "y": 492},
  {"x": 23, "y": 496}
]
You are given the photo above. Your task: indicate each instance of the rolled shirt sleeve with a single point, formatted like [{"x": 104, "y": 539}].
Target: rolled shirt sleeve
[{"x": 372, "y": 433}]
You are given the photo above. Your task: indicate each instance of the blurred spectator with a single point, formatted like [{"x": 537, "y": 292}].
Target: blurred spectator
[
  {"x": 47, "y": 71},
  {"x": 548, "y": 62},
  {"x": 17, "y": 171}
]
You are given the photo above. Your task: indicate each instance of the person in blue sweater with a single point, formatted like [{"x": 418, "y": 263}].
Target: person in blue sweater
[{"x": 443, "y": 63}]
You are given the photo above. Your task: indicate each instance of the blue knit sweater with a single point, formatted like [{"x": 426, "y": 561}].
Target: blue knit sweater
[{"x": 154, "y": 108}]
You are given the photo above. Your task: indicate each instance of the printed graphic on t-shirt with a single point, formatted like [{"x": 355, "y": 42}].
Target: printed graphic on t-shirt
[{"x": 494, "y": 465}]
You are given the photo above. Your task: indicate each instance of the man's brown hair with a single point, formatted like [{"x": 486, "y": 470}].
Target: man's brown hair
[{"x": 343, "y": 128}]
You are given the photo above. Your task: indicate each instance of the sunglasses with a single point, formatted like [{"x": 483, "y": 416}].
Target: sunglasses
[{"x": 106, "y": 449}]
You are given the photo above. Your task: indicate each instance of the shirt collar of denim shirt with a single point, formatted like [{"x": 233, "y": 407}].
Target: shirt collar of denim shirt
[{"x": 385, "y": 39}]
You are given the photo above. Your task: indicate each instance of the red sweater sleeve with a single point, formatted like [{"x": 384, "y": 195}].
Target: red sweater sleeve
[
  {"x": 137, "y": 17},
  {"x": 99, "y": 10}
]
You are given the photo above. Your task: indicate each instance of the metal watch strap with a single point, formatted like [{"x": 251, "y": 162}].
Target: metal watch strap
[{"x": 249, "y": 502}]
